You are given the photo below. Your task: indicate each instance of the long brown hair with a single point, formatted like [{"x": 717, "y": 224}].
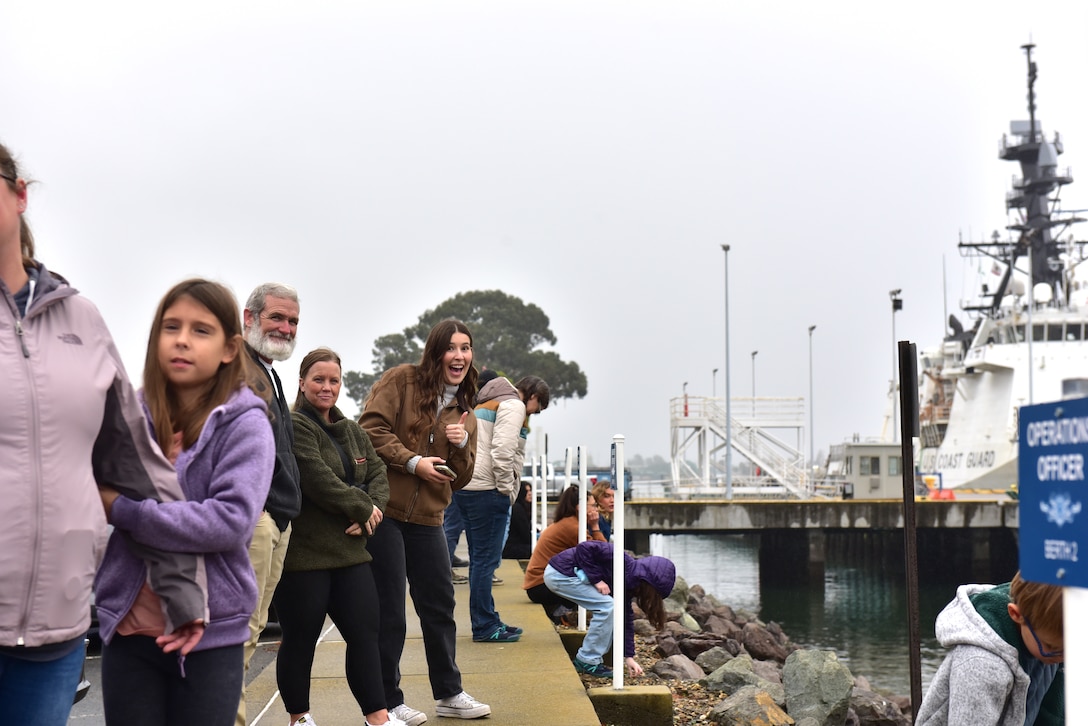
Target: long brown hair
[
  {"x": 167, "y": 413},
  {"x": 430, "y": 380},
  {"x": 10, "y": 171},
  {"x": 651, "y": 602},
  {"x": 567, "y": 506},
  {"x": 318, "y": 355}
]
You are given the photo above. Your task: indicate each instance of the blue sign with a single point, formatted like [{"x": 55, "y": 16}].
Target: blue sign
[
  {"x": 614, "y": 472},
  {"x": 1053, "y": 492}
]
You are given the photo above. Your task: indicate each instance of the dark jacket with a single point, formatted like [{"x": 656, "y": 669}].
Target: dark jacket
[
  {"x": 594, "y": 558},
  {"x": 329, "y": 504},
  {"x": 519, "y": 542},
  {"x": 284, "y": 496},
  {"x": 386, "y": 420}
]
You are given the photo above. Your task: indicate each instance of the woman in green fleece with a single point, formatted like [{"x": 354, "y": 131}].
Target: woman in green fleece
[
  {"x": 1005, "y": 666},
  {"x": 327, "y": 568}
]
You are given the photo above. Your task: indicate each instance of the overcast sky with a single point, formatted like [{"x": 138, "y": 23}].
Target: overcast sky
[{"x": 590, "y": 157}]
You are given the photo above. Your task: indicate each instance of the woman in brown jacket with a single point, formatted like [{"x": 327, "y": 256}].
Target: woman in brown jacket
[
  {"x": 419, "y": 418},
  {"x": 561, "y": 534}
]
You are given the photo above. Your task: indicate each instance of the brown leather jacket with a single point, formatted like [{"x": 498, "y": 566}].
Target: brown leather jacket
[{"x": 387, "y": 419}]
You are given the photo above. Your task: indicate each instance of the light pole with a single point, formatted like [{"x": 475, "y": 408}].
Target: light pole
[
  {"x": 897, "y": 305},
  {"x": 728, "y": 397},
  {"x": 811, "y": 404},
  {"x": 752, "y": 426},
  {"x": 714, "y": 383},
  {"x": 754, "y": 354}
]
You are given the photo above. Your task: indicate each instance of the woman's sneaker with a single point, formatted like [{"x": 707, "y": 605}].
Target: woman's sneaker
[
  {"x": 305, "y": 720},
  {"x": 408, "y": 715},
  {"x": 393, "y": 721},
  {"x": 502, "y": 635},
  {"x": 600, "y": 670},
  {"x": 512, "y": 629},
  {"x": 461, "y": 706}
]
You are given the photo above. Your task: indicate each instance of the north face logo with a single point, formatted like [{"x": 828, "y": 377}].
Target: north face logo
[{"x": 71, "y": 338}]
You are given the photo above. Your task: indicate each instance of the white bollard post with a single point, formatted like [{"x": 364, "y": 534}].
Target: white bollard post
[
  {"x": 1075, "y": 602},
  {"x": 618, "y": 571},
  {"x": 533, "y": 520},
  {"x": 583, "y": 494},
  {"x": 543, "y": 492}
]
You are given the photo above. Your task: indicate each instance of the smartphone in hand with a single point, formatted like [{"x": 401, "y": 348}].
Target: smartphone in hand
[{"x": 445, "y": 471}]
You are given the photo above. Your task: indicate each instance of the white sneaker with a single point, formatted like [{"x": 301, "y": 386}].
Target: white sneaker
[
  {"x": 393, "y": 721},
  {"x": 461, "y": 706},
  {"x": 305, "y": 720},
  {"x": 408, "y": 715}
]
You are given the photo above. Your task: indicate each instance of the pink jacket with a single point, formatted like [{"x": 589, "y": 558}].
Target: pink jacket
[{"x": 68, "y": 418}]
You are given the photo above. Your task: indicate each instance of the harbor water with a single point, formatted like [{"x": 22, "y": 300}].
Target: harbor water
[{"x": 859, "y": 611}]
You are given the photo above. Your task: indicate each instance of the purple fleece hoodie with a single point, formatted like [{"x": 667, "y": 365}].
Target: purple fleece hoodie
[
  {"x": 225, "y": 476},
  {"x": 594, "y": 558}
]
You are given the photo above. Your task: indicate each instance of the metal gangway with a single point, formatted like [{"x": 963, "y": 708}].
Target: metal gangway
[{"x": 698, "y": 424}]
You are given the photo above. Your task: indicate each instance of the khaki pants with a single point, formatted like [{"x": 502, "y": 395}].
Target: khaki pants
[{"x": 266, "y": 553}]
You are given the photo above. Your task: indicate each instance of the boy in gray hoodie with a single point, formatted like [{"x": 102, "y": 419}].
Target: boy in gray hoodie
[{"x": 1005, "y": 664}]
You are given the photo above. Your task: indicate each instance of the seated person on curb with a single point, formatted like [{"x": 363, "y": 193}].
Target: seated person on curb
[
  {"x": 605, "y": 496},
  {"x": 519, "y": 535},
  {"x": 583, "y": 574},
  {"x": 561, "y": 534},
  {"x": 1005, "y": 663}
]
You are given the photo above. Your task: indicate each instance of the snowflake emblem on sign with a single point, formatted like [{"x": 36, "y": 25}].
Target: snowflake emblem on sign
[{"x": 1060, "y": 509}]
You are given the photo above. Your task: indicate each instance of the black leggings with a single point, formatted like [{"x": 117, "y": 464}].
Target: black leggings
[
  {"x": 143, "y": 685},
  {"x": 348, "y": 596}
]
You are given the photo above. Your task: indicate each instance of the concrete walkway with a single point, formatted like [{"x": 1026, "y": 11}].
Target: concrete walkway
[{"x": 528, "y": 682}]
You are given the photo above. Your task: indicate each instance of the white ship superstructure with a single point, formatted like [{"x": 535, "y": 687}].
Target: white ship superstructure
[{"x": 1029, "y": 342}]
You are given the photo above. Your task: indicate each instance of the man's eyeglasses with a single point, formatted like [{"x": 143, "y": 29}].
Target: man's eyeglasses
[
  {"x": 279, "y": 319},
  {"x": 1039, "y": 644},
  {"x": 5, "y": 176}
]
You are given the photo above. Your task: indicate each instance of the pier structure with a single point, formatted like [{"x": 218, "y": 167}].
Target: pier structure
[
  {"x": 776, "y": 467},
  {"x": 796, "y": 537}
]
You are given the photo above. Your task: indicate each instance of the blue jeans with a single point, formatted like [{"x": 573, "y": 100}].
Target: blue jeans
[
  {"x": 486, "y": 515},
  {"x": 452, "y": 526},
  {"x": 39, "y": 692},
  {"x": 599, "y": 634}
]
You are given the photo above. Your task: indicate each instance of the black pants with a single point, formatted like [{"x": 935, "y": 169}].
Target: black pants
[
  {"x": 349, "y": 597},
  {"x": 419, "y": 553},
  {"x": 143, "y": 685},
  {"x": 549, "y": 600}
]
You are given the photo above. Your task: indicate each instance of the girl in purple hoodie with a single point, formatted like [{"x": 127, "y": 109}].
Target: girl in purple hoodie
[
  {"x": 214, "y": 427},
  {"x": 583, "y": 574}
]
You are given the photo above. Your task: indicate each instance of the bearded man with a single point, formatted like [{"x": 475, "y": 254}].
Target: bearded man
[{"x": 270, "y": 322}]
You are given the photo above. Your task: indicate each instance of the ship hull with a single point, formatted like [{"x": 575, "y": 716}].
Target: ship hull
[{"x": 980, "y": 445}]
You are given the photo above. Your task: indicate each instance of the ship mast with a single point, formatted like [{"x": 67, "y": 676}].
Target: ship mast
[{"x": 1035, "y": 195}]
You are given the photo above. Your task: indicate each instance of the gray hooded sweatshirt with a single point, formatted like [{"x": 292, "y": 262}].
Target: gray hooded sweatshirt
[{"x": 982, "y": 681}]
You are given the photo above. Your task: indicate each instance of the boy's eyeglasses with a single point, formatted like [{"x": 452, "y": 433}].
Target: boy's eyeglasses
[{"x": 1039, "y": 644}]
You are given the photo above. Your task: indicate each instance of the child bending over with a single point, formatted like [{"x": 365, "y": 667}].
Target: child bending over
[{"x": 1005, "y": 663}]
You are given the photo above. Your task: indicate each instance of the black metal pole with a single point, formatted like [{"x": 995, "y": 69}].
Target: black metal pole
[{"x": 908, "y": 416}]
